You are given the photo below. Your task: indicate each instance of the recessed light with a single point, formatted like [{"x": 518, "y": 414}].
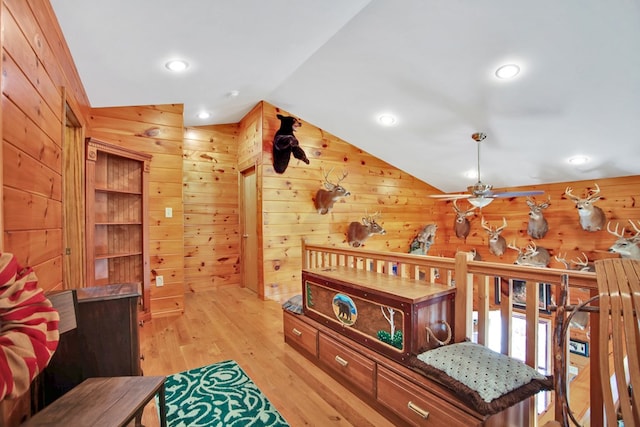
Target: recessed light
[
  {"x": 204, "y": 115},
  {"x": 177, "y": 65},
  {"x": 578, "y": 160},
  {"x": 387, "y": 119},
  {"x": 507, "y": 71},
  {"x": 233, "y": 94}
]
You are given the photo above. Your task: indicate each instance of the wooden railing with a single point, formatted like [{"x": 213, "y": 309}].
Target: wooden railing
[{"x": 473, "y": 281}]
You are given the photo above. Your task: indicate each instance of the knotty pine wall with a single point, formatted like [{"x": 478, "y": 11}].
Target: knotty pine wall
[
  {"x": 211, "y": 220},
  {"x": 286, "y": 204},
  {"x": 38, "y": 80},
  {"x": 155, "y": 130},
  {"x": 620, "y": 202},
  {"x": 288, "y": 215}
]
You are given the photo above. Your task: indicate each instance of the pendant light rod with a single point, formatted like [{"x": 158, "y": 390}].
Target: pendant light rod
[{"x": 478, "y": 137}]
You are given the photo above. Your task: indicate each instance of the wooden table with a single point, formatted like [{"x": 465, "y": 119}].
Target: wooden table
[{"x": 107, "y": 402}]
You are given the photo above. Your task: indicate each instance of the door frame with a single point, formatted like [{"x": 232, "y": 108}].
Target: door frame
[{"x": 243, "y": 170}]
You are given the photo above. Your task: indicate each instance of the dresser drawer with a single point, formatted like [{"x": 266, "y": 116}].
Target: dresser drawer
[
  {"x": 417, "y": 406},
  {"x": 298, "y": 333},
  {"x": 348, "y": 364}
]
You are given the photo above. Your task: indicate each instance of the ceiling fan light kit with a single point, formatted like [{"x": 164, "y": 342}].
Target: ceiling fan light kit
[{"x": 481, "y": 194}]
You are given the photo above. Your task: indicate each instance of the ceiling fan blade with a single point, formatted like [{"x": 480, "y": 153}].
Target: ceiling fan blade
[
  {"x": 450, "y": 196},
  {"x": 518, "y": 193}
]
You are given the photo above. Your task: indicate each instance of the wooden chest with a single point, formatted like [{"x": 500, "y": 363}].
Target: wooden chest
[{"x": 388, "y": 314}]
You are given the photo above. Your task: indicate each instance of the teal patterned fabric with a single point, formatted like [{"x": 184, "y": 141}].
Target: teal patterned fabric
[{"x": 218, "y": 395}]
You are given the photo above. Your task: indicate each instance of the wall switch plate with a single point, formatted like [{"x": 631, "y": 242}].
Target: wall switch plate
[
  {"x": 159, "y": 281},
  {"x": 168, "y": 212}
]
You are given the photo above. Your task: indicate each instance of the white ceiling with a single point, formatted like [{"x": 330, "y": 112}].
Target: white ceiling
[{"x": 338, "y": 64}]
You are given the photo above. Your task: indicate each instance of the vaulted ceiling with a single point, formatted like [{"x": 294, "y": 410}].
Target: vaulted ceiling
[{"x": 340, "y": 64}]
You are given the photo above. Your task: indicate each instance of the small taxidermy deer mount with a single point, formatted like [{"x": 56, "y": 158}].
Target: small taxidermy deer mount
[
  {"x": 358, "y": 233},
  {"x": 497, "y": 243},
  {"x": 326, "y": 198},
  {"x": 532, "y": 255},
  {"x": 285, "y": 143},
  {"x": 538, "y": 225},
  {"x": 591, "y": 216},
  {"x": 462, "y": 226},
  {"x": 423, "y": 240}
]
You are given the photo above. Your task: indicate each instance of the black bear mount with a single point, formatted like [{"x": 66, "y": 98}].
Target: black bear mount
[{"x": 285, "y": 143}]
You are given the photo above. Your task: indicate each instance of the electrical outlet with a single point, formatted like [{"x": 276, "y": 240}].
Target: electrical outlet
[
  {"x": 159, "y": 281},
  {"x": 168, "y": 212}
]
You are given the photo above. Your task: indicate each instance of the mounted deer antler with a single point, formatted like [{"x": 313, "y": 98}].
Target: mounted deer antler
[
  {"x": 538, "y": 226},
  {"x": 326, "y": 198},
  {"x": 578, "y": 263},
  {"x": 583, "y": 265},
  {"x": 627, "y": 247},
  {"x": 462, "y": 226},
  {"x": 591, "y": 216},
  {"x": 497, "y": 243}
]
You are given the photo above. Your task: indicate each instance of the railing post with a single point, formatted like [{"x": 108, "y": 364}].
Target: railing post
[{"x": 464, "y": 298}]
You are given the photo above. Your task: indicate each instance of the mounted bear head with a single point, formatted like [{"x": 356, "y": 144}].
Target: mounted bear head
[{"x": 285, "y": 144}]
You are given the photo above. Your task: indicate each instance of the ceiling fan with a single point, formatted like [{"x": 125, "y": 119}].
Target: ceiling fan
[{"x": 481, "y": 194}]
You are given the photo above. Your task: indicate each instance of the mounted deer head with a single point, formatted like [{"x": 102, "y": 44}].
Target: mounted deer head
[
  {"x": 532, "y": 256},
  {"x": 423, "y": 240},
  {"x": 497, "y": 243},
  {"x": 358, "y": 233},
  {"x": 538, "y": 226},
  {"x": 591, "y": 216},
  {"x": 462, "y": 226},
  {"x": 626, "y": 247},
  {"x": 326, "y": 198}
]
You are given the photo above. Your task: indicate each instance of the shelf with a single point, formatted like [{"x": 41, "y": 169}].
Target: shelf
[
  {"x": 117, "y": 217},
  {"x": 97, "y": 224},
  {"x": 119, "y": 255},
  {"x": 116, "y": 191}
]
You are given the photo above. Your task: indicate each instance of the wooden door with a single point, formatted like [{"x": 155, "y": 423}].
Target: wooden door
[{"x": 249, "y": 244}]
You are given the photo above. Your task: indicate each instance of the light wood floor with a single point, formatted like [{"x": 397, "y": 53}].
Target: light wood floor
[{"x": 232, "y": 323}]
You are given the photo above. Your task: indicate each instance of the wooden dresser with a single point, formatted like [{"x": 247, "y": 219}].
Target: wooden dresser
[
  {"x": 105, "y": 342},
  {"x": 394, "y": 390}
]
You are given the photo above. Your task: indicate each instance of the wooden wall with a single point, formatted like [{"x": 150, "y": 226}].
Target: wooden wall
[
  {"x": 38, "y": 80},
  {"x": 155, "y": 130},
  {"x": 288, "y": 212},
  {"x": 211, "y": 221},
  {"x": 288, "y": 215},
  {"x": 619, "y": 202}
]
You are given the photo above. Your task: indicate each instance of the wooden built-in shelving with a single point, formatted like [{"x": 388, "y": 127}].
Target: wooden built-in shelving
[{"x": 117, "y": 212}]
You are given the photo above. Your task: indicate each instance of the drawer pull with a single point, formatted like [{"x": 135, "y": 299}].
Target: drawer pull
[
  {"x": 297, "y": 332},
  {"x": 341, "y": 361},
  {"x": 418, "y": 410}
]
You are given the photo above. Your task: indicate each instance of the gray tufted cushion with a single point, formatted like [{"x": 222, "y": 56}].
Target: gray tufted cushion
[{"x": 489, "y": 381}]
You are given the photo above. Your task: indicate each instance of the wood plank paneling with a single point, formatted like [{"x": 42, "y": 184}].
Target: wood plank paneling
[
  {"x": 211, "y": 218},
  {"x": 32, "y": 134},
  {"x": 155, "y": 130}
]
